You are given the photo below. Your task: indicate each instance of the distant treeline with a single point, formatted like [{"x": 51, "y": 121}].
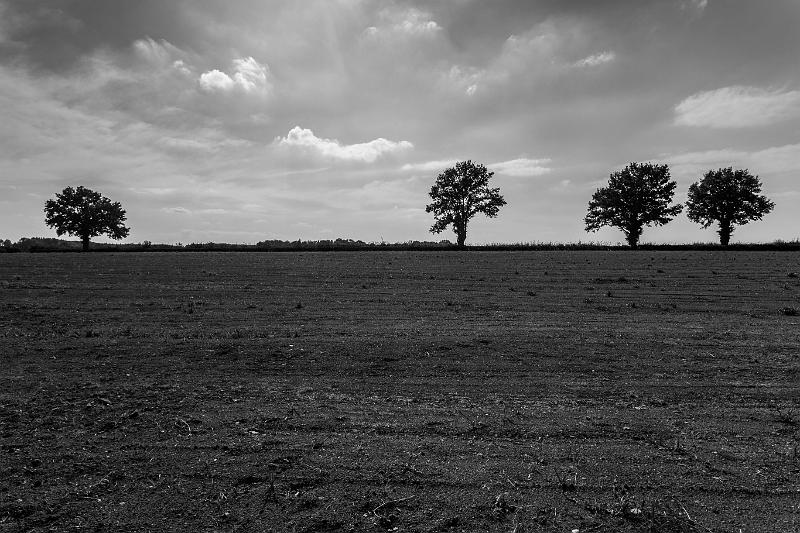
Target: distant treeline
[{"x": 44, "y": 244}]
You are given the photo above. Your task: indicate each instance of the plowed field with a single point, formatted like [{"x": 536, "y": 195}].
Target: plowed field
[{"x": 528, "y": 391}]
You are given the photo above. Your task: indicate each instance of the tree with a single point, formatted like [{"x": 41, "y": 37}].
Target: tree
[
  {"x": 460, "y": 193},
  {"x": 85, "y": 213},
  {"x": 729, "y": 198},
  {"x": 636, "y": 197}
]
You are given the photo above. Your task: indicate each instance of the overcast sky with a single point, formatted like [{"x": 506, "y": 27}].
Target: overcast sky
[{"x": 246, "y": 120}]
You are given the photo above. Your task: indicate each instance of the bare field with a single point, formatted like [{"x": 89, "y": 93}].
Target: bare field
[{"x": 400, "y": 391}]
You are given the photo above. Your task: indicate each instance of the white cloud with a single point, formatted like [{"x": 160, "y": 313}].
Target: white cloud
[
  {"x": 249, "y": 76},
  {"x": 368, "y": 152},
  {"x": 596, "y": 59},
  {"x": 429, "y": 166},
  {"x": 216, "y": 80},
  {"x": 738, "y": 107},
  {"x": 521, "y": 167}
]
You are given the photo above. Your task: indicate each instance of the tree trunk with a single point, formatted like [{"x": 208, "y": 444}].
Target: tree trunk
[
  {"x": 725, "y": 231},
  {"x": 461, "y": 232},
  {"x": 85, "y": 241},
  {"x": 462, "y": 237},
  {"x": 632, "y": 236}
]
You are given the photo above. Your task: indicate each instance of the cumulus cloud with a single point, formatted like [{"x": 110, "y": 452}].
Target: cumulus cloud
[
  {"x": 737, "y": 107},
  {"x": 522, "y": 167},
  {"x": 216, "y": 80},
  {"x": 367, "y": 152},
  {"x": 248, "y": 76},
  {"x": 596, "y": 59}
]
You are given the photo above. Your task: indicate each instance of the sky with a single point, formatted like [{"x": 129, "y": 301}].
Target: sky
[{"x": 214, "y": 120}]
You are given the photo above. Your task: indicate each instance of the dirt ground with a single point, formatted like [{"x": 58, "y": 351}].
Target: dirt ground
[{"x": 399, "y": 391}]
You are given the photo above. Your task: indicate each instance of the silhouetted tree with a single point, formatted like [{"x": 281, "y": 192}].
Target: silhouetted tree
[
  {"x": 460, "y": 193},
  {"x": 636, "y": 197},
  {"x": 729, "y": 198},
  {"x": 85, "y": 213}
]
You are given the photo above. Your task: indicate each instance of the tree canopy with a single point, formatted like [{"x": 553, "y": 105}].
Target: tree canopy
[
  {"x": 84, "y": 213},
  {"x": 729, "y": 198},
  {"x": 460, "y": 193},
  {"x": 637, "y": 196}
]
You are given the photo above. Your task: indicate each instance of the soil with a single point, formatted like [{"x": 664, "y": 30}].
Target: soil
[{"x": 400, "y": 391}]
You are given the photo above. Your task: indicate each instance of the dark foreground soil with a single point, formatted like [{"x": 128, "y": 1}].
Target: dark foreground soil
[{"x": 531, "y": 391}]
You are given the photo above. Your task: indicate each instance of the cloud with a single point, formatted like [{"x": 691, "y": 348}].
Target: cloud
[
  {"x": 409, "y": 22},
  {"x": 429, "y": 166},
  {"x": 539, "y": 55},
  {"x": 154, "y": 191},
  {"x": 513, "y": 167},
  {"x": 178, "y": 210},
  {"x": 182, "y": 67},
  {"x": 596, "y": 59},
  {"x": 521, "y": 167},
  {"x": 774, "y": 160},
  {"x": 216, "y": 80},
  {"x": 383, "y": 196},
  {"x": 25, "y": 18},
  {"x": 737, "y": 107},
  {"x": 249, "y": 76},
  {"x": 697, "y": 5},
  {"x": 416, "y": 22},
  {"x": 159, "y": 53},
  {"x": 367, "y": 152},
  {"x": 200, "y": 141},
  {"x": 466, "y": 79}
]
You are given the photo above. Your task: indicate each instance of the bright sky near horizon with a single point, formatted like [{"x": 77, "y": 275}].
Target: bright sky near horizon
[{"x": 246, "y": 120}]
